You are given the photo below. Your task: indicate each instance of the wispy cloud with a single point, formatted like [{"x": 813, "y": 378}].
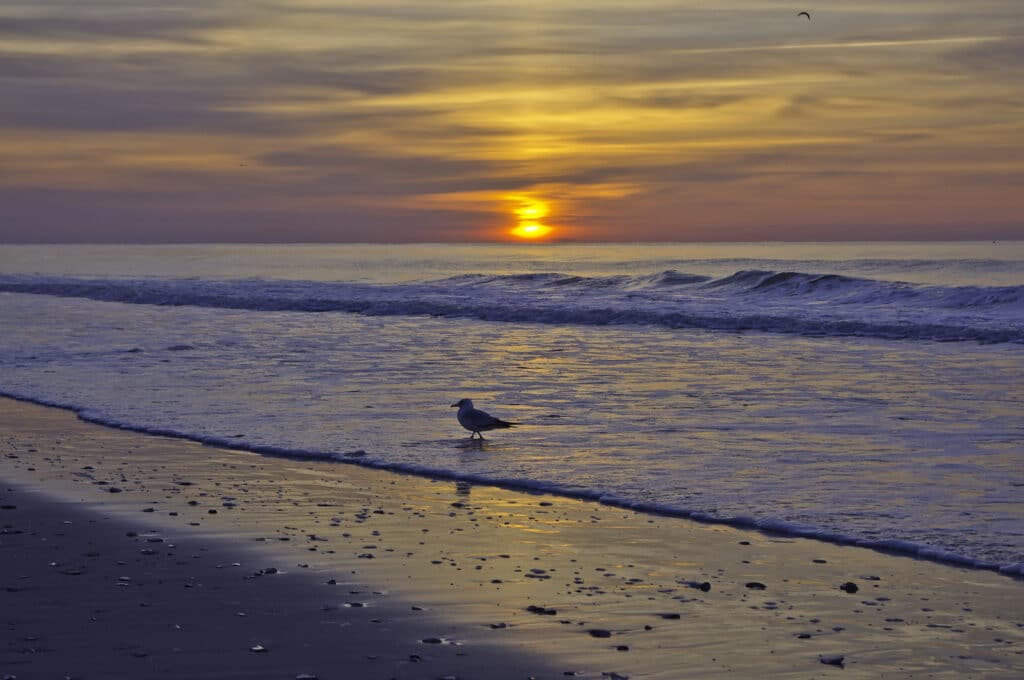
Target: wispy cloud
[{"x": 400, "y": 119}]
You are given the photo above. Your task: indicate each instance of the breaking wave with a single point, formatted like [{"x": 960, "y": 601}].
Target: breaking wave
[{"x": 747, "y": 300}]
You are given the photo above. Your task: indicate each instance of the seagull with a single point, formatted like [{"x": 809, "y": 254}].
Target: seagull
[
  {"x": 804, "y": 14},
  {"x": 475, "y": 420}
]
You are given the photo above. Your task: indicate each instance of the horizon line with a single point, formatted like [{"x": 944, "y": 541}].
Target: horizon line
[{"x": 552, "y": 242}]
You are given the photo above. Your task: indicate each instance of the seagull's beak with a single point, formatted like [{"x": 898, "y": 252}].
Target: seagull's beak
[{"x": 454, "y": 406}]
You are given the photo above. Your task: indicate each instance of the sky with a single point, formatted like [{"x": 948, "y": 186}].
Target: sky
[{"x": 489, "y": 120}]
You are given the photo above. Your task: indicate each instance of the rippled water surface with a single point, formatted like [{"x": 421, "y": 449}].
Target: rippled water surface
[{"x": 799, "y": 387}]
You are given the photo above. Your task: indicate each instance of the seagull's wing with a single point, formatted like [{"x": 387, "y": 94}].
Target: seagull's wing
[
  {"x": 481, "y": 420},
  {"x": 478, "y": 418}
]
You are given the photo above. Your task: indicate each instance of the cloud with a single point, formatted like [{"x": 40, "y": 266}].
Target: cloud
[
  {"x": 348, "y": 172},
  {"x": 402, "y": 109},
  {"x": 176, "y": 21},
  {"x": 1000, "y": 56},
  {"x": 57, "y": 215},
  {"x": 72, "y": 106}
]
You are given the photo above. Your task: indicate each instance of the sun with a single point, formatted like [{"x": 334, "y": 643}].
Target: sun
[
  {"x": 531, "y": 230},
  {"x": 529, "y": 212}
]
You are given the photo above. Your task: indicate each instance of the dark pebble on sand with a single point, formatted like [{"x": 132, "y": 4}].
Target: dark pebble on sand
[
  {"x": 600, "y": 633},
  {"x": 211, "y": 511},
  {"x": 849, "y": 587},
  {"x": 622, "y": 648},
  {"x": 432, "y": 641},
  {"x": 756, "y": 585},
  {"x": 670, "y": 617},
  {"x": 534, "y": 609},
  {"x": 497, "y": 626},
  {"x": 149, "y": 509},
  {"x": 114, "y": 489},
  {"x": 832, "y": 660}
]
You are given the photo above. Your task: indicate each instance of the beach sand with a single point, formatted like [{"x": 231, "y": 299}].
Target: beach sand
[{"x": 130, "y": 556}]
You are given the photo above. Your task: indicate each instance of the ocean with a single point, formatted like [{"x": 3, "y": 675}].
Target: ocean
[{"x": 860, "y": 393}]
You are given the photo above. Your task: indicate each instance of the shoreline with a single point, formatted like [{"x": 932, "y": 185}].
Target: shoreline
[
  {"x": 768, "y": 527},
  {"x": 476, "y": 581}
]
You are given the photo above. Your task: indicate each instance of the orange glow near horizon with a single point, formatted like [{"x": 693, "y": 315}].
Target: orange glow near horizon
[{"x": 529, "y": 212}]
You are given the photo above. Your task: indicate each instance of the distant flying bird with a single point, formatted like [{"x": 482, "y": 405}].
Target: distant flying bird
[
  {"x": 475, "y": 420},
  {"x": 804, "y": 14}
]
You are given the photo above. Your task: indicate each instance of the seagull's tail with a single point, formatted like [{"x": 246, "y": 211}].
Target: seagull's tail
[{"x": 503, "y": 423}]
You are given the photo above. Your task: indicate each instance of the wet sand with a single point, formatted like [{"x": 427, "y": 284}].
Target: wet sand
[{"x": 130, "y": 556}]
